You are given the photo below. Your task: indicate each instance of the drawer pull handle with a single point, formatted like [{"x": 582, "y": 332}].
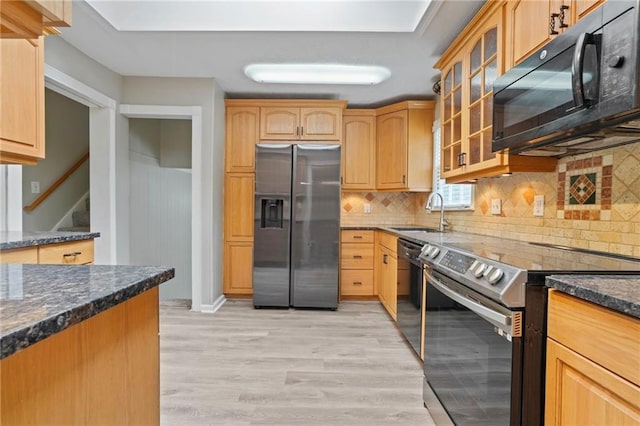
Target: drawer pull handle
[
  {"x": 357, "y": 256},
  {"x": 74, "y": 254},
  {"x": 357, "y": 237},
  {"x": 357, "y": 283}
]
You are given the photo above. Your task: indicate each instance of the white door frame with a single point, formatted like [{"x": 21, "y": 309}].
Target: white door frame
[
  {"x": 102, "y": 162},
  {"x": 193, "y": 113}
]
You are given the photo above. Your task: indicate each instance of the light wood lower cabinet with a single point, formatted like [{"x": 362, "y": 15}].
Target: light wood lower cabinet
[
  {"x": 593, "y": 364},
  {"x": 238, "y": 268},
  {"x": 69, "y": 253},
  {"x": 27, "y": 255},
  {"x": 104, "y": 370},
  {"x": 386, "y": 271},
  {"x": 356, "y": 263}
]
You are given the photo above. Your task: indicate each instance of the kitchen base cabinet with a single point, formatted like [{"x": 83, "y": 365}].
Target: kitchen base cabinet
[
  {"x": 67, "y": 253},
  {"x": 356, "y": 264},
  {"x": 593, "y": 364},
  {"x": 238, "y": 268},
  {"x": 386, "y": 272},
  {"x": 104, "y": 370}
]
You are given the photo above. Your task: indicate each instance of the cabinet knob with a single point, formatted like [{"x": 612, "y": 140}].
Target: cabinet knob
[
  {"x": 357, "y": 256},
  {"x": 357, "y": 283},
  {"x": 357, "y": 237}
]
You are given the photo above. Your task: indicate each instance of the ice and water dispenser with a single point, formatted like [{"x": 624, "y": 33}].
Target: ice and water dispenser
[{"x": 272, "y": 213}]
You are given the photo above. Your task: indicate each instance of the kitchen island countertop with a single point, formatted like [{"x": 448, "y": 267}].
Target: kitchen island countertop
[
  {"x": 618, "y": 292},
  {"x": 38, "y": 301},
  {"x": 21, "y": 239}
]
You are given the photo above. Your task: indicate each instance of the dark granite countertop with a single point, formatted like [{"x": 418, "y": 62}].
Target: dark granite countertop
[
  {"x": 617, "y": 292},
  {"x": 37, "y": 301},
  {"x": 19, "y": 239}
]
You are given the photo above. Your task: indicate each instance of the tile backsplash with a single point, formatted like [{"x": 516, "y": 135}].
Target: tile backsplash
[{"x": 592, "y": 201}]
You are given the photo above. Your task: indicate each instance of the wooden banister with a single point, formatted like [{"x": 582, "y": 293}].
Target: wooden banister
[{"x": 56, "y": 184}]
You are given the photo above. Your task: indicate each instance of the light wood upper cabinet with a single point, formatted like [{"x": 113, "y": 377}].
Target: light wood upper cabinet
[
  {"x": 22, "y": 94},
  {"x": 533, "y": 23},
  {"x": 359, "y": 150},
  {"x": 404, "y": 146},
  {"x": 313, "y": 123},
  {"x": 469, "y": 67},
  {"x": 241, "y": 137},
  {"x": 31, "y": 19},
  {"x": 593, "y": 364}
]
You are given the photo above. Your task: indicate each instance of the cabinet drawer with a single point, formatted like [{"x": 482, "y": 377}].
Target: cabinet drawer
[
  {"x": 356, "y": 282},
  {"x": 388, "y": 240},
  {"x": 356, "y": 236},
  {"x": 73, "y": 253},
  {"x": 606, "y": 337},
  {"x": 20, "y": 255},
  {"x": 356, "y": 256}
]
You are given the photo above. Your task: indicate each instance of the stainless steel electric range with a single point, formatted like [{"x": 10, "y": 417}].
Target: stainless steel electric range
[{"x": 484, "y": 347}]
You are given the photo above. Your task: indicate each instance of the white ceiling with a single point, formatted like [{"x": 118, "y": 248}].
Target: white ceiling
[{"x": 223, "y": 54}]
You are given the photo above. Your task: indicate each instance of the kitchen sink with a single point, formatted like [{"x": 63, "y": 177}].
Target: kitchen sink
[{"x": 413, "y": 229}]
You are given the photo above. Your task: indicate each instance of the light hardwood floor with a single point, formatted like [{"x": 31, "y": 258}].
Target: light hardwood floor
[{"x": 242, "y": 366}]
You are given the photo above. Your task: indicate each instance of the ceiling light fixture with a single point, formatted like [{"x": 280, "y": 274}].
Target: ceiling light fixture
[{"x": 317, "y": 73}]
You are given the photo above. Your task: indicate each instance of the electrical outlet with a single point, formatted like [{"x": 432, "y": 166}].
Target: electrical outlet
[
  {"x": 538, "y": 205},
  {"x": 35, "y": 187},
  {"x": 496, "y": 206},
  {"x": 367, "y": 208}
]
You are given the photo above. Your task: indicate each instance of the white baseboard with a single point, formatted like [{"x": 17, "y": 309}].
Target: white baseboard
[{"x": 217, "y": 304}]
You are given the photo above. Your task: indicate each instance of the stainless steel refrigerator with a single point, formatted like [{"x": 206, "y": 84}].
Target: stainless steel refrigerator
[{"x": 297, "y": 226}]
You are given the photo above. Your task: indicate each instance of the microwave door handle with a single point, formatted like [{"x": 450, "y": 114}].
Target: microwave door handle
[
  {"x": 476, "y": 307},
  {"x": 577, "y": 68}
]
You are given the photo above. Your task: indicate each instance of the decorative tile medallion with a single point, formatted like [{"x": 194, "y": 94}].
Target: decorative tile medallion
[
  {"x": 584, "y": 188},
  {"x": 347, "y": 207},
  {"x": 369, "y": 196}
]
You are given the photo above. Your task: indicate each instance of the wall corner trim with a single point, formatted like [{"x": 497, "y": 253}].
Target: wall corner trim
[{"x": 217, "y": 304}]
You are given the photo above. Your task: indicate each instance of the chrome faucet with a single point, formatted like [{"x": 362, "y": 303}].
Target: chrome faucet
[{"x": 429, "y": 208}]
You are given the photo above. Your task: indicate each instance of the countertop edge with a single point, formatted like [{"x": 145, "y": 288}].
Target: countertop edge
[
  {"x": 600, "y": 298},
  {"x": 23, "y": 338},
  {"x": 39, "y": 241}
]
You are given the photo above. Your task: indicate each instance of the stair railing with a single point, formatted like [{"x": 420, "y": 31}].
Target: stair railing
[{"x": 56, "y": 184}]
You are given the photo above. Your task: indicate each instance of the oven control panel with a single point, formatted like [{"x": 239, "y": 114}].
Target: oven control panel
[{"x": 457, "y": 261}]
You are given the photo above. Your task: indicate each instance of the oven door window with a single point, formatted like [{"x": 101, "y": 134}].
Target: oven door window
[{"x": 467, "y": 364}]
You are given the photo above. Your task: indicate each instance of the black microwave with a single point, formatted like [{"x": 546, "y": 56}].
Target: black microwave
[{"x": 578, "y": 93}]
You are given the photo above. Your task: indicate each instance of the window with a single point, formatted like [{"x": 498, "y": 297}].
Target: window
[{"x": 456, "y": 196}]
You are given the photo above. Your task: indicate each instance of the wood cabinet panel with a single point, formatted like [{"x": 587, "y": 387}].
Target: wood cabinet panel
[
  {"x": 356, "y": 282},
  {"x": 388, "y": 240},
  {"x": 356, "y": 256},
  {"x": 104, "y": 370},
  {"x": 604, "y": 336},
  {"x": 404, "y": 146},
  {"x": 71, "y": 253},
  {"x": 534, "y": 16},
  {"x": 279, "y": 123},
  {"x": 388, "y": 285},
  {"x": 22, "y": 94},
  {"x": 321, "y": 124},
  {"x": 242, "y": 135},
  {"x": 300, "y": 123},
  {"x": 581, "y": 392},
  {"x": 238, "y": 268},
  {"x": 359, "y": 150},
  {"x": 238, "y": 206},
  {"x": 584, "y": 7},
  {"x": 357, "y": 236},
  {"x": 391, "y": 171},
  {"x": 22, "y": 255}
]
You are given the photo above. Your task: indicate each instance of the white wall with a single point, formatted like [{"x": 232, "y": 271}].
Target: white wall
[
  {"x": 207, "y": 201},
  {"x": 160, "y": 214},
  {"x": 67, "y": 136},
  {"x": 173, "y": 135}
]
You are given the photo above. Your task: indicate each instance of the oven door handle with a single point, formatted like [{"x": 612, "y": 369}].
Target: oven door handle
[{"x": 476, "y": 307}]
